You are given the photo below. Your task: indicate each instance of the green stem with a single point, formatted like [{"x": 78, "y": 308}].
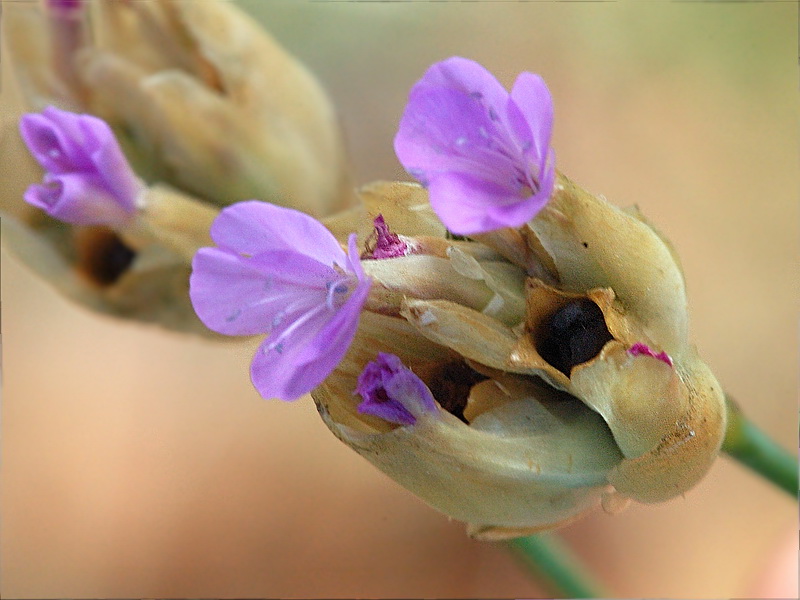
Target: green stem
[
  {"x": 753, "y": 448},
  {"x": 550, "y": 559}
]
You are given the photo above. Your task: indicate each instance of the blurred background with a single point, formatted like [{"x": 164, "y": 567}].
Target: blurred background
[{"x": 141, "y": 463}]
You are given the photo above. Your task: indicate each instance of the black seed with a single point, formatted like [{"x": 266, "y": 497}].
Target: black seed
[
  {"x": 451, "y": 386},
  {"x": 104, "y": 257},
  {"x": 572, "y": 335}
]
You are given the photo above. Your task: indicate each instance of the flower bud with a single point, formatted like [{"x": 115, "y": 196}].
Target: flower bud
[
  {"x": 200, "y": 108},
  {"x": 207, "y": 100},
  {"x": 98, "y": 233},
  {"x": 555, "y": 390}
]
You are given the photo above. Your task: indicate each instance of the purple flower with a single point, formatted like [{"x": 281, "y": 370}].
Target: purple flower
[
  {"x": 392, "y": 392},
  {"x": 65, "y": 7},
  {"x": 279, "y": 271},
  {"x": 483, "y": 154},
  {"x": 638, "y": 349},
  {"x": 88, "y": 180}
]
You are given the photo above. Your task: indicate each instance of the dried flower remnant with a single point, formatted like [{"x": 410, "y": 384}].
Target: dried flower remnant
[
  {"x": 278, "y": 271},
  {"x": 638, "y": 349},
  {"x": 483, "y": 153},
  {"x": 393, "y": 392},
  {"x": 382, "y": 243}
]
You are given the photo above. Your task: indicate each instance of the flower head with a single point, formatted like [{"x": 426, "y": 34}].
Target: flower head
[
  {"x": 483, "y": 154},
  {"x": 88, "y": 181},
  {"x": 393, "y": 392},
  {"x": 280, "y": 272},
  {"x": 552, "y": 391}
]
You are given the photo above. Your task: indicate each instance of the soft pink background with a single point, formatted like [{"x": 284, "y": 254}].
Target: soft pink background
[{"x": 136, "y": 462}]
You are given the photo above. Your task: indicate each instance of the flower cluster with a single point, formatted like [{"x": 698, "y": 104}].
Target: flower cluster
[
  {"x": 485, "y": 155},
  {"x": 514, "y": 379}
]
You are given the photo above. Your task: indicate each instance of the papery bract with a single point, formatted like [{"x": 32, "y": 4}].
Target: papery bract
[
  {"x": 88, "y": 181},
  {"x": 484, "y": 154},
  {"x": 280, "y": 272}
]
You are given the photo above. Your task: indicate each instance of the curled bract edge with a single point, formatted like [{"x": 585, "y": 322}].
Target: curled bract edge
[{"x": 558, "y": 355}]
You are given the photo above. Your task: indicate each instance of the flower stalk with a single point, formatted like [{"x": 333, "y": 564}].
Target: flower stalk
[
  {"x": 547, "y": 556},
  {"x": 748, "y": 445}
]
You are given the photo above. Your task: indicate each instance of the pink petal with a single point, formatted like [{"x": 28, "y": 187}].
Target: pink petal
[
  {"x": 77, "y": 199},
  {"x": 532, "y": 97},
  {"x": 468, "y": 205},
  {"x": 111, "y": 165},
  {"x": 310, "y": 355},
  {"x": 253, "y": 227},
  {"x": 446, "y": 130},
  {"x": 54, "y": 140},
  {"x": 240, "y": 296},
  {"x": 516, "y": 213},
  {"x": 468, "y": 77}
]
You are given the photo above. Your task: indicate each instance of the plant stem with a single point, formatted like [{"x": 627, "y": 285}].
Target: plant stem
[
  {"x": 753, "y": 448},
  {"x": 744, "y": 442},
  {"x": 551, "y": 560}
]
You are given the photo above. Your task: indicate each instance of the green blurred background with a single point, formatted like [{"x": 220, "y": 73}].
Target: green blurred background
[{"x": 137, "y": 462}]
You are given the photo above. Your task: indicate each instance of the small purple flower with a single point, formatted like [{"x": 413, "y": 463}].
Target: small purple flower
[
  {"x": 65, "y": 7},
  {"x": 483, "y": 154},
  {"x": 638, "y": 349},
  {"x": 88, "y": 180},
  {"x": 383, "y": 243},
  {"x": 392, "y": 392},
  {"x": 281, "y": 272}
]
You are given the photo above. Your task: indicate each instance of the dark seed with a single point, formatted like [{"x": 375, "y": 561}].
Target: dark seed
[
  {"x": 103, "y": 256},
  {"x": 572, "y": 335},
  {"x": 451, "y": 386}
]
